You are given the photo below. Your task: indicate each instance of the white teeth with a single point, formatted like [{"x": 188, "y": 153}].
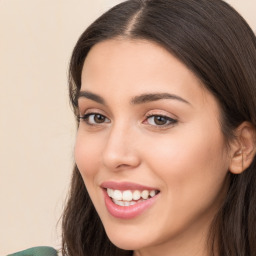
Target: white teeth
[
  {"x": 152, "y": 193},
  {"x": 136, "y": 195},
  {"x": 122, "y": 203},
  {"x": 126, "y": 203},
  {"x": 145, "y": 194},
  {"x": 117, "y": 194},
  {"x": 128, "y": 195},
  {"x": 110, "y": 192}
]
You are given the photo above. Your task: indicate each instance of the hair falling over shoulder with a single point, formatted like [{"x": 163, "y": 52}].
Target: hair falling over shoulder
[{"x": 218, "y": 46}]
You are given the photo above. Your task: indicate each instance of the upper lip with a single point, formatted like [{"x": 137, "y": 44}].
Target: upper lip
[{"x": 125, "y": 186}]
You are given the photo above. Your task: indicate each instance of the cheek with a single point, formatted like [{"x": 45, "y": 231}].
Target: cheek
[
  {"x": 192, "y": 172},
  {"x": 87, "y": 155},
  {"x": 190, "y": 163}
]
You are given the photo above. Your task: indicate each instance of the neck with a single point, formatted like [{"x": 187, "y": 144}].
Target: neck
[{"x": 192, "y": 243}]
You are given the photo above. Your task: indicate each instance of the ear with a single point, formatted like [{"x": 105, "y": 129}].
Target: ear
[{"x": 242, "y": 149}]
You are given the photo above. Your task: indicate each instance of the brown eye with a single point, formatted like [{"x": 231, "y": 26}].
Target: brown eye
[
  {"x": 99, "y": 118},
  {"x": 158, "y": 120},
  {"x": 94, "y": 119}
]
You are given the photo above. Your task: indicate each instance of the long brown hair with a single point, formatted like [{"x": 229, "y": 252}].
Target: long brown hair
[{"x": 215, "y": 43}]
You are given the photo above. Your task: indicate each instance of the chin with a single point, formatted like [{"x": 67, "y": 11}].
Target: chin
[
  {"x": 129, "y": 245},
  {"x": 127, "y": 240}
]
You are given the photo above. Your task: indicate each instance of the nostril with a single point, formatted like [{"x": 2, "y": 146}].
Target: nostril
[
  {"x": 120, "y": 161},
  {"x": 122, "y": 166}
]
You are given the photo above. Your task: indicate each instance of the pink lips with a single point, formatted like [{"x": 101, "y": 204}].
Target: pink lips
[{"x": 126, "y": 212}]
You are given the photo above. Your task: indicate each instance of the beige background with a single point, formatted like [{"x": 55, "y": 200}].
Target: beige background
[{"x": 37, "y": 130}]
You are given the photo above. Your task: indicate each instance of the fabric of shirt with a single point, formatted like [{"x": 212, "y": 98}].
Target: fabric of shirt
[{"x": 37, "y": 251}]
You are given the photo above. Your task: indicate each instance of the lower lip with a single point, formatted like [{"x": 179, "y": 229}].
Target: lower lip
[{"x": 127, "y": 212}]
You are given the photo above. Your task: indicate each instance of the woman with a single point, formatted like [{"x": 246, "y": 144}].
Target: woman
[{"x": 165, "y": 96}]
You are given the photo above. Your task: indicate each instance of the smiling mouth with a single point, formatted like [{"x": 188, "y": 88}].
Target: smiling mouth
[{"x": 130, "y": 197}]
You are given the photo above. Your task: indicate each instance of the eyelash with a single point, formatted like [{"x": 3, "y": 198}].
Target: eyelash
[
  {"x": 87, "y": 116},
  {"x": 168, "y": 120}
]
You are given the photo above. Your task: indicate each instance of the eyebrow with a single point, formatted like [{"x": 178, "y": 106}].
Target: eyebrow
[
  {"x": 140, "y": 99},
  {"x": 148, "y": 97},
  {"x": 91, "y": 96}
]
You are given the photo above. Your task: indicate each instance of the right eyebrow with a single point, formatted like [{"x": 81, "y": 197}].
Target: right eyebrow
[
  {"x": 149, "y": 97},
  {"x": 91, "y": 96}
]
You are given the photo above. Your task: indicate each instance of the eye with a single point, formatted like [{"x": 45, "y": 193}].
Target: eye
[
  {"x": 160, "y": 120},
  {"x": 94, "y": 118}
]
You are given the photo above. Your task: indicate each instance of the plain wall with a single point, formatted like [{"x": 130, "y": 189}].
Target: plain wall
[{"x": 37, "y": 129}]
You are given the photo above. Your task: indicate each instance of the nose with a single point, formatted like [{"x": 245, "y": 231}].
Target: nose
[{"x": 120, "y": 150}]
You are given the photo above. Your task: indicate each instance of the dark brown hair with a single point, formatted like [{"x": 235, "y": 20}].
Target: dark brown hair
[{"x": 215, "y": 43}]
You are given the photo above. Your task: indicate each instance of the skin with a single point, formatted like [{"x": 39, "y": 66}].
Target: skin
[{"x": 186, "y": 159}]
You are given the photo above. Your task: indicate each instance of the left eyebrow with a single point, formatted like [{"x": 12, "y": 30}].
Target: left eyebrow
[
  {"x": 144, "y": 98},
  {"x": 91, "y": 96}
]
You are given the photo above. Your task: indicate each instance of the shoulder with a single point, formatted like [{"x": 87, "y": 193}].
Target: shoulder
[{"x": 37, "y": 251}]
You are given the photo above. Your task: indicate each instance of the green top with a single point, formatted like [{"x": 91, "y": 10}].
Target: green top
[{"x": 37, "y": 251}]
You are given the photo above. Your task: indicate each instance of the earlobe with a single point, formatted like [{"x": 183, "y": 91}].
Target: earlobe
[{"x": 243, "y": 148}]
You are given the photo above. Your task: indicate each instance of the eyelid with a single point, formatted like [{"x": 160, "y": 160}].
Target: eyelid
[
  {"x": 160, "y": 113},
  {"x": 166, "y": 117},
  {"x": 90, "y": 112},
  {"x": 82, "y": 111}
]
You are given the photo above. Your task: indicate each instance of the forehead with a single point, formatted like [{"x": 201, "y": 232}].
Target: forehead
[
  {"x": 131, "y": 67},
  {"x": 139, "y": 53},
  {"x": 132, "y": 59}
]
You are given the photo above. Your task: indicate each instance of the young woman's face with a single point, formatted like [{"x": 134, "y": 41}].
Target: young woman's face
[{"x": 149, "y": 139}]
